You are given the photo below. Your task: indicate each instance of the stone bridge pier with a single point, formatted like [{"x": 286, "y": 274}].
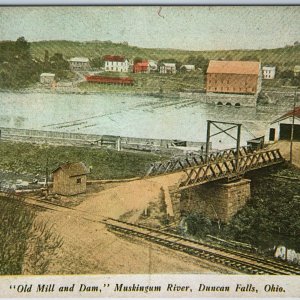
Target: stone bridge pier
[{"x": 218, "y": 201}]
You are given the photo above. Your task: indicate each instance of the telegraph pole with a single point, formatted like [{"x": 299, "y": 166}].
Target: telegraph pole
[
  {"x": 47, "y": 176},
  {"x": 292, "y": 129},
  {"x": 207, "y": 141},
  {"x": 238, "y": 144}
]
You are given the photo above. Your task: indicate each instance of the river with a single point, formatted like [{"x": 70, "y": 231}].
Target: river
[{"x": 130, "y": 115}]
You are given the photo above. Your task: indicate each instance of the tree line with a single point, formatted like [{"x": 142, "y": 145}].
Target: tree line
[{"x": 19, "y": 69}]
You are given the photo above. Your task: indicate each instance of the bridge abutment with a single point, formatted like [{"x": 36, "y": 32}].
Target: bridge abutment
[{"x": 218, "y": 201}]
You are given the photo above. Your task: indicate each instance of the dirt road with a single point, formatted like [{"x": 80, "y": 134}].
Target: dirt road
[
  {"x": 284, "y": 147},
  {"x": 90, "y": 249}
]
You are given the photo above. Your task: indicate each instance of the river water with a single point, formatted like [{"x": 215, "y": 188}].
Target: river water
[{"x": 130, "y": 115}]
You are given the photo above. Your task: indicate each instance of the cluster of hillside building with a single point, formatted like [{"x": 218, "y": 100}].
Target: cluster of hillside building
[
  {"x": 117, "y": 63},
  {"x": 227, "y": 77}
]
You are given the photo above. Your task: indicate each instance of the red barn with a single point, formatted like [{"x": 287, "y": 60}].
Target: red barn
[
  {"x": 141, "y": 67},
  {"x": 109, "y": 79}
]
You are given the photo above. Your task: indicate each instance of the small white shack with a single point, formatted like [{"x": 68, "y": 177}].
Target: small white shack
[
  {"x": 280, "y": 128},
  {"x": 269, "y": 72},
  {"x": 79, "y": 64},
  {"x": 47, "y": 78},
  {"x": 168, "y": 68},
  {"x": 187, "y": 68}
]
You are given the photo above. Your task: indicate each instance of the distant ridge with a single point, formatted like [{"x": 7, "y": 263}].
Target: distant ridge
[{"x": 285, "y": 57}]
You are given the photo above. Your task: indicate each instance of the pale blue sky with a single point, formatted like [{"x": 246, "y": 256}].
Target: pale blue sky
[{"x": 193, "y": 28}]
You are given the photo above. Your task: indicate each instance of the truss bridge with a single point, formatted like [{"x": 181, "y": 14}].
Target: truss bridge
[
  {"x": 230, "y": 168},
  {"x": 226, "y": 168},
  {"x": 219, "y": 165},
  {"x": 182, "y": 163}
]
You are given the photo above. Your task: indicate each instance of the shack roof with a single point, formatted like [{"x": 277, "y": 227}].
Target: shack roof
[
  {"x": 47, "y": 75},
  {"x": 188, "y": 67},
  {"x": 143, "y": 63},
  {"x": 269, "y": 68},
  {"x": 297, "y": 68},
  {"x": 289, "y": 114},
  {"x": 79, "y": 59},
  {"x": 233, "y": 67},
  {"x": 117, "y": 58},
  {"x": 73, "y": 169},
  {"x": 171, "y": 65}
]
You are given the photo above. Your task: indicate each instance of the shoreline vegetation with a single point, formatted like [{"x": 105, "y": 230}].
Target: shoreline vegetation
[{"x": 30, "y": 245}]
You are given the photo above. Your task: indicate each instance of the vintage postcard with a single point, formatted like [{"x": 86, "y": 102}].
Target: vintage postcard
[{"x": 150, "y": 151}]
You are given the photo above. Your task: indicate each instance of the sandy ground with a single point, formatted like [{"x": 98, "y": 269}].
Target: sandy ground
[
  {"x": 284, "y": 147},
  {"x": 90, "y": 249},
  {"x": 128, "y": 196}
]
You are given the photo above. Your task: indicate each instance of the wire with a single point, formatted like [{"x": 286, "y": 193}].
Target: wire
[{"x": 249, "y": 131}]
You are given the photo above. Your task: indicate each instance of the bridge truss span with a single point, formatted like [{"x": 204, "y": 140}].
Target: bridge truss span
[
  {"x": 229, "y": 168},
  {"x": 181, "y": 163}
]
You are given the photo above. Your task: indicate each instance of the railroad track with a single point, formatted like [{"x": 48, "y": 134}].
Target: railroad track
[{"x": 241, "y": 261}]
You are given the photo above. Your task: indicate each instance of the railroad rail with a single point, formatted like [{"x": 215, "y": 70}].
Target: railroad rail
[
  {"x": 244, "y": 262},
  {"x": 241, "y": 261}
]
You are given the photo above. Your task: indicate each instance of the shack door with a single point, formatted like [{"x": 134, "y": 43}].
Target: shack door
[{"x": 285, "y": 132}]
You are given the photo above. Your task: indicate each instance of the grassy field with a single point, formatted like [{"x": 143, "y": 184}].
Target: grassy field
[
  {"x": 152, "y": 83},
  {"x": 285, "y": 57},
  {"x": 26, "y": 158}
]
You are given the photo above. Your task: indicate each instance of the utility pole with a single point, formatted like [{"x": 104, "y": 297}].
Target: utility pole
[
  {"x": 292, "y": 129},
  {"x": 207, "y": 141},
  {"x": 238, "y": 144},
  {"x": 47, "y": 176}
]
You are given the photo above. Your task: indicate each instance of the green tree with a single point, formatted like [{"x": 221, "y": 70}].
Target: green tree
[
  {"x": 22, "y": 48},
  {"x": 97, "y": 62},
  {"x": 199, "y": 61},
  {"x": 137, "y": 60},
  {"x": 25, "y": 244},
  {"x": 198, "y": 224},
  {"x": 18, "y": 69},
  {"x": 59, "y": 66}
]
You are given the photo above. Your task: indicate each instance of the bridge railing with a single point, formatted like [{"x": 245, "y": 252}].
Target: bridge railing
[{"x": 230, "y": 168}]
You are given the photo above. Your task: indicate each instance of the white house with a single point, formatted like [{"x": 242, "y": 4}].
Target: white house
[
  {"x": 166, "y": 68},
  {"x": 47, "y": 78},
  {"x": 79, "y": 64},
  {"x": 115, "y": 63},
  {"x": 280, "y": 128},
  {"x": 188, "y": 68},
  {"x": 269, "y": 72}
]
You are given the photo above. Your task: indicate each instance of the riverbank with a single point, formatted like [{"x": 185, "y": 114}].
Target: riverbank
[
  {"x": 153, "y": 84},
  {"x": 281, "y": 96}
]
